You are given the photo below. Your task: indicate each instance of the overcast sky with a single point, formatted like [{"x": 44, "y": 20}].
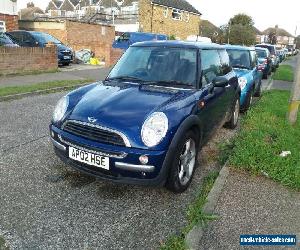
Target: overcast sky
[{"x": 265, "y": 13}]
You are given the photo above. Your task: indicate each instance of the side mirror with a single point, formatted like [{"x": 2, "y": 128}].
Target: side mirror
[{"x": 220, "y": 82}]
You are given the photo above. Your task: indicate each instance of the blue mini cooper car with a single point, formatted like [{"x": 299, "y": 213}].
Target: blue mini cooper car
[
  {"x": 147, "y": 121},
  {"x": 244, "y": 62}
]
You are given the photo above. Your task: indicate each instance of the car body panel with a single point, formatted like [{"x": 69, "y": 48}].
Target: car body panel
[
  {"x": 129, "y": 38},
  {"x": 252, "y": 74},
  {"x": 124, "y": 105},
  {"x": 33, "y": 39}
]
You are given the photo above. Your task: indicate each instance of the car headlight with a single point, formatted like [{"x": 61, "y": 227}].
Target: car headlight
[
  {"x": 60, "y": 109},
  {"x": 154, "y": 129},
  {"x": 242, "y": 82}
]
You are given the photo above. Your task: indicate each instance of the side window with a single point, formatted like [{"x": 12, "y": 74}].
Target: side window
[
  {"x": 27, "y": 38},
  {"x": 124, "y": 37},
  {"x": 253, "y": 58},
  {"x": 210, "y": 66},
  {"x": 16, "y": 36},
  {"x": 226, "y": 68}
]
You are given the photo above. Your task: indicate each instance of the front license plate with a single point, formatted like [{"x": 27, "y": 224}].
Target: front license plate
[
  {"x": 67, "y": 57},
  {"x": 89, "y": 158}
]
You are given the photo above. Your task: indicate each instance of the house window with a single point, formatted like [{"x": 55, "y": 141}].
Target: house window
[
  {"x": 166, "y": 12},
  {"x": 187, "y": 17},
  {"x": 177, "y": 14},
  {"x": 2, "y": 26}
]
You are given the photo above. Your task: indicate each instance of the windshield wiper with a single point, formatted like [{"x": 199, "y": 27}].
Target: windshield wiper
[
  {"x": 129, "y": 78},
  {"x": 240, "y": 66},
  {"x": 171, "y": 83}
]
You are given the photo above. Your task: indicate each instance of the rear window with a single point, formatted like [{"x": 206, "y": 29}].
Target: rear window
[
  {"x": 269, "y": 47},
  {"x": 239, "y": 58},
  {"x": 261, "y": 53}
]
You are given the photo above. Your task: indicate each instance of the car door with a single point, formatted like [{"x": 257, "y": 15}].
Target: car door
[
  {"x": 210, "y": 99},
  {"x": 255, "y": 73}
]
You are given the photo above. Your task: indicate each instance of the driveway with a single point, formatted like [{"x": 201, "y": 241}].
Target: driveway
[{"x": 47, "y": 205}]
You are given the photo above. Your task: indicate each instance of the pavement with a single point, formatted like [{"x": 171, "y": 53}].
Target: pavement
[
  {"x": 72, "y": 72},
  {"x": 252, "y": 205}
]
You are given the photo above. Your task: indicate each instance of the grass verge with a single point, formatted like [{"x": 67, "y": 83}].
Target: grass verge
[
  {"x": 284, "y": 73},
  {"x": 31, "y": 72},
  {"x": 3, "y": 245},
  {"x": 195, "y": 215},
  {"x": 265, "y": 133},
  {"x": 13, "y": 90}
]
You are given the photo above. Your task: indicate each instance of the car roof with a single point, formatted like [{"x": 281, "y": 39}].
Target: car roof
[
  {"x": 261, "y": 48},
  {"x": 264, "y": 44},
  {"x": 237, "y": 47},
  {"x": 178, "y": 44}
]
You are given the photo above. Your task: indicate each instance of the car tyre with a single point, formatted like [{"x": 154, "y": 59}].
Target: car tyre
[
  {"x": 234, "y": 116},
  {"x": 249, "y": 101},
  {"x": 258, "y": 91},
  {"x": 184, "y": 163}
]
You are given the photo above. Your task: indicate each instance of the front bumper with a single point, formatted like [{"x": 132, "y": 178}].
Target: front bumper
[{"x": 125, "y": 166}]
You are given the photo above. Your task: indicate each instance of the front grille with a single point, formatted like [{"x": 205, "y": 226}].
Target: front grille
[{"x": 94, "y": 133}]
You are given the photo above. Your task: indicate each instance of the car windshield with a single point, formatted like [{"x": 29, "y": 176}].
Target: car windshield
[
  {"x": 239, "y": 58},
  {"x": 45, "y": 38},
  {"x": 157, "y": 65},
  {"x": 261, "y": 53},
  {"x": 4, "y": 40}
]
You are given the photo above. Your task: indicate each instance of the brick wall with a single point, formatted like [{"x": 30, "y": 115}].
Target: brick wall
[
  {"x": 95, "y": 37},
  {"x": 77, "y": 35},
  {"x": 152, "y": 19},
  {"x": 11, "y": 21},
  {"x": 22, "y": 60},
  {"x": 112, "y": 55}
]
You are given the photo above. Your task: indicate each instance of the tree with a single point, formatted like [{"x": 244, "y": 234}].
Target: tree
[
  {"x": 240, "y": 30},
  {"x": 272, "y": 37},
  {"x": 242, "y": 19}
]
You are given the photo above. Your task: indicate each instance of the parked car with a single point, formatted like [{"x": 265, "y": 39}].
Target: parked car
[
  {"x": 273, "y": 52},
  {"x": 145, "y": 123},
  {"x": 41, "y": 39},
  {"x": 244, "y": 62},
  {"x": 6, "y": 41},
  {"x": 280, "y": 55},
  {"x": 264, "y": 61},
  {"x": 129, "y": 38}
]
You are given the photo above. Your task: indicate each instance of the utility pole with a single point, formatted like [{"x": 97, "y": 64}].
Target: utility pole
[
  {"x": 229, "y": 27},
  {"x": 295, "y": 97}
]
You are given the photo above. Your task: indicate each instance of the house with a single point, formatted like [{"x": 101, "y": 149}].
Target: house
[
  {"x": 8, "y": 15},
  {"x": 283, "y": 38},
  {"x": 171, "y": 17},
  {"x": 53, "y": 8},
  {"x": 208, "y": 29},
  {"x": 31, "y": 12}
]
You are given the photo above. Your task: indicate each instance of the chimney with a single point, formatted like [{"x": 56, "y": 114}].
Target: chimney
[{"x": 30, "y": 5}]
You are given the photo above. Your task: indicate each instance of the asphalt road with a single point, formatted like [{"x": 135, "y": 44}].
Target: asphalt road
[{"x": 46, "y": 205}]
